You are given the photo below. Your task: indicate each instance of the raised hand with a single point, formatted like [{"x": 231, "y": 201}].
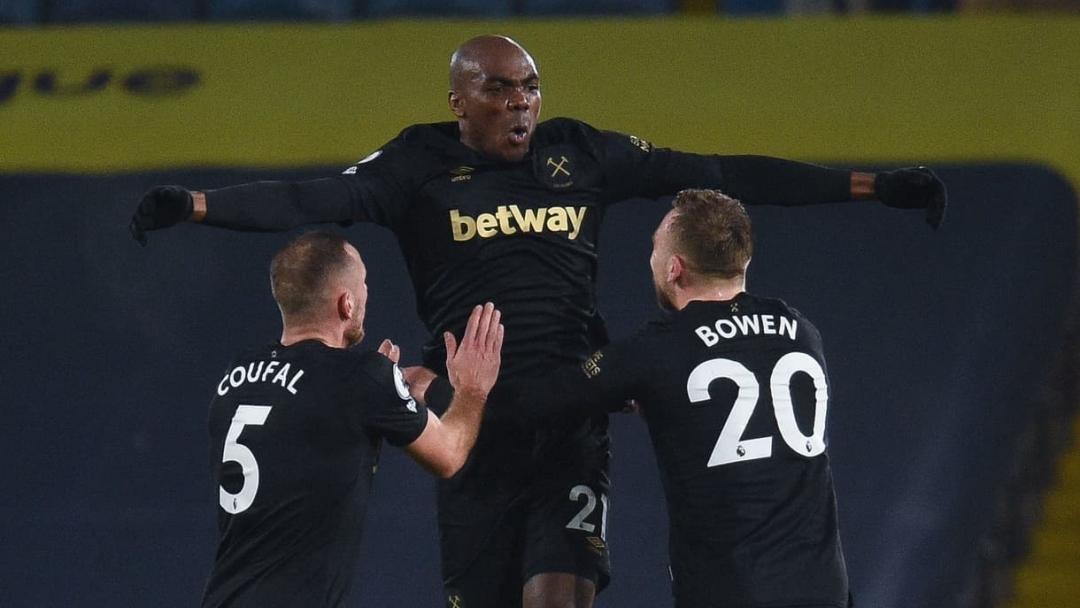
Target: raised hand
[
  {"x": 473, "y": 365},
  {"x": 160, "y": 207},
  {"x": 913, "y": 188},
  {"x": 391, "y": 351}
]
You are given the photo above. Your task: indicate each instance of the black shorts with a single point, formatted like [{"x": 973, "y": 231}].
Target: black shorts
[{"x": 555, "y": 522}]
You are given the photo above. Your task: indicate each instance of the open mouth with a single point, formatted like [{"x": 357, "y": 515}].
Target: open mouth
[{"x": 519, "y": 134}]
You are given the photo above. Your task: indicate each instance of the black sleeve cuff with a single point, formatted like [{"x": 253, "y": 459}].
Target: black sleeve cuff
[{"x": 439, "y": 394}]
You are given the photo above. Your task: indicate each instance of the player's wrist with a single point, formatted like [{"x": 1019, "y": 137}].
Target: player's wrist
[
  {"x": 863, "y": 185},
  {"x": 474, "y": 395},
  {"x": 198, "y": 206}
]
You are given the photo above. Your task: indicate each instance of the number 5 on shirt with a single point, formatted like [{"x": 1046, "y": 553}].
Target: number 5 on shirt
[{"x": 236, "y": 452}]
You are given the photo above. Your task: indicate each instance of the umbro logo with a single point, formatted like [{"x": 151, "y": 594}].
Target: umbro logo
[{"x": 461, "y": 174}]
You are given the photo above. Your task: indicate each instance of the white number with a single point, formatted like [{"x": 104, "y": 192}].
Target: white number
[
  {"x": 239, "y": 453},
  {"x": 730, "y": 446},
  {"x": 780, "y": 383},
  {"x": 578, "y": 522}
]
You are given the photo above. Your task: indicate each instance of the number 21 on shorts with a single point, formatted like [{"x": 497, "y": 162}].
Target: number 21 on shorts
[
  {"x": 254, "y": 415},
  {"x": 582, "y": 492}
]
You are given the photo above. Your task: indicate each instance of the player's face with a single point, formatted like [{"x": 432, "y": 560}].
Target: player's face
[
  {"x": 354, "y": 333},
  {"x": 498, "y": 108},
  {"x": 660, "y": 261}
]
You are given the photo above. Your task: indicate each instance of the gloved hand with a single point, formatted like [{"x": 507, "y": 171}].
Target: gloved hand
[
  {"x": 913, "y": 188},
  {"x": 161, "y": 207}
]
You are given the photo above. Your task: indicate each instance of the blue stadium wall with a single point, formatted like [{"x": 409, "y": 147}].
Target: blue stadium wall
[{"x": 938, "y": 342}]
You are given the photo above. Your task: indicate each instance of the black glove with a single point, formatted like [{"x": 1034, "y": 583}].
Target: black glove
[
  {"x": 913, "y": 188},
  {"x": 161, "y": 207}
]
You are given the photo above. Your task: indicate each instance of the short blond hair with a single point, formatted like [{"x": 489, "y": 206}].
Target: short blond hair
[
  {"x": 301, "y": 271},
  {"x": 713, "y": 233}
]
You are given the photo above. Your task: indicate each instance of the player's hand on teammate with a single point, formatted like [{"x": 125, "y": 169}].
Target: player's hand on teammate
[
  {"x": 473, "y": 365},
  {"x": 913, "y": 188},
  {"x": 161, "y": 207},
  {"x": 419, "y": 379},
  {"x": 391, "y": 351}
]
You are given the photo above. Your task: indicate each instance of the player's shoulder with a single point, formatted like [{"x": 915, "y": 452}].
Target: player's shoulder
[
  {"x": 364, "y": 362},
  {"x": 780, "y": 308},
  {"x": 562, "y": 130},
  {"x": 428, "y": 135}
]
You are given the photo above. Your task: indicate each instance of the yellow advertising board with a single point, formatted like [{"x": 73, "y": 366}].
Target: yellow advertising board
[{"x": 898, "y": 90}]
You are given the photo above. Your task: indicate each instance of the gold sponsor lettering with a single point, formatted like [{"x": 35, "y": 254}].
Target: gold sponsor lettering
[
  {"x": 591, "y": 366},
  {"x": 510, "y": 219}
]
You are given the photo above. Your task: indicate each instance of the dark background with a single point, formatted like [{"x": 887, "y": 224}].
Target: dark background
[{"x": 937, "y": 343}]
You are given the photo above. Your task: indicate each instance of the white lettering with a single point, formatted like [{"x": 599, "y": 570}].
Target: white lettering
[
  {"x": 292, "y": 384},
  {"x": 282, "y": 376},
  {"x": 747, "y": 323},
  {"x": 270, "y": 367},
  {"x": 788, "y": 327},
  {"x": 707, "y": 335},
  {"x": 726, "y": 328},
  {"x": 260, "y": 371}
]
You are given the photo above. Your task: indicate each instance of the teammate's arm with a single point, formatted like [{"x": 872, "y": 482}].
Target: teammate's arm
[
  {"x": 472, "y": 367},
  {"x": 371, "y": 192},
  {"x": 602, "y": 384},
  {"x": 635, "y": 168}
]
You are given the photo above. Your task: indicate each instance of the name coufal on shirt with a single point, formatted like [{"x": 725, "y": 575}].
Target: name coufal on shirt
[
  {"x": 261, "y": 371},
  {"x": 745, "y": 325}
]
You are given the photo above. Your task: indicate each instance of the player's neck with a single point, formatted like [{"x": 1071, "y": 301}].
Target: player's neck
[
  {"x": 717, "y": 291},
  {"x": 292, "y": 334}
]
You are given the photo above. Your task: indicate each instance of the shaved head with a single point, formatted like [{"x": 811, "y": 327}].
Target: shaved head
[
  {"x": 466, "y": 64},
  {"x": 495, "y": 95}
]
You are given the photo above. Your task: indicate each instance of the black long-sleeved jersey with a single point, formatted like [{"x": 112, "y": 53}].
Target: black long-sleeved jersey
[
  {"x": 295, "y": 433},
  {"x": 520, "y": 234},
  {"x": 735, "y": 396}
]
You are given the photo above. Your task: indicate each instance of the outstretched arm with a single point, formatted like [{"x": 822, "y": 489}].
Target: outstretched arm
[
  {"x": 373, "y": 191},
  {"x": 258, "y": 206},
  {"x": 636, "y": 168},
  {"x": 564, "y": 395},
  {"x": 472, "y": 367}
]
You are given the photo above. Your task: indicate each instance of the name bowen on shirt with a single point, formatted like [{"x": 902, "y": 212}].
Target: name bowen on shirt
[
  {"x": 745, "y": 325},
  {"x": 511, "y": 219}
]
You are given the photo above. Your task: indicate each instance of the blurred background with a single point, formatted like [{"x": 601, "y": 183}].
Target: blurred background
[{"x": 954, "y": 355}]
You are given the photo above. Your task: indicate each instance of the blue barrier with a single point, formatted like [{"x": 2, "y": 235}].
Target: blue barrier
[
  {"x": 97, "y": 11},
  {"x": 109, "y": 353},
  {"x": 281, "y": 10},
  {"x": 20, "y": 11}
]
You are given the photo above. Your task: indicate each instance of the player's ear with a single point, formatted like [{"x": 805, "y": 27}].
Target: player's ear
[
  {"x": 346, "y": 305},
  {"x": 456, "y": 104},
  {"x": 676, "y": 267}
]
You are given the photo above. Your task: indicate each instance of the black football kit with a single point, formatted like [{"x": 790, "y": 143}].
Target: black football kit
[
  {"x": 735, "y": 396},
  {"x": 524, "y": 236},
  {"x": 295, "y": 433}
]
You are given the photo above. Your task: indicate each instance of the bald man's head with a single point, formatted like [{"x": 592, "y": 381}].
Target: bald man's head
[{"x": 495, "y": 95}]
